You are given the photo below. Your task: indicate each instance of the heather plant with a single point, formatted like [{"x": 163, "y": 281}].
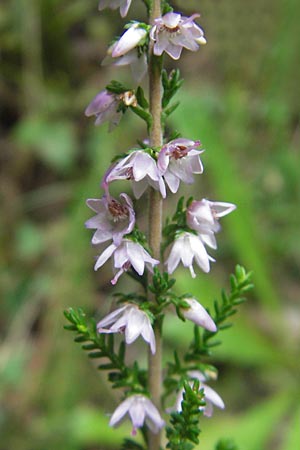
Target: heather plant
[{"x": 165, "y": 403}]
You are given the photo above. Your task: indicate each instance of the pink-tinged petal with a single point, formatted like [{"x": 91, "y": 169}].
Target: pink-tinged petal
[
  {"x": 162, "y": 187},
  {"x": 175, "y": 255},
  {"x": 202, "y": 260},
  {"x": 209, "y": 239},
  {"x": 174, "y": 51},
  {"x": 195, "y": 164},
  {"x": 134, "y": 325},
  {"x": 100, "y": 103},
  {"x": 137, "y": 412},
  {"x": 136, "y": 257},
  {"x": 148, "y": 334},
  {"x": 221, "y": 209},
  {"x": 97, "y": 222},
  {"x": 187, "y": 20},
  {"x": 202, "y": 211},
  {"x": 181, "y": 170},
  {"x": 139, "y": 188},
  {"x": 172, "y": 181},
  {"x": 126, "y": 199},
  {"x": 105, "y": 256},
  {"x": 161, "y": 44},
  {"x": 120, "y": 324},
  {"x": 110, "y": 318},
  {"x": 129, "y": 40},
  {"x": 121, "y": 411},
  {"x": 143, "y": 166},
  {"x": 187, "y": 253},
  {"x": 125, "y": 7},
  {"x": 101, "y": 236},
  {"x": 121, "y": 255},
  {"x": 153, "y": 418},
  {"x": 171, "y": 19},
  {"x": 213, "y": 397},
  {"x": 163, "y": 160},
  {"x": 95, "y": 204},
  {"x": 208, "y": 409},
  {"x": 184, "y": 41},
  {"x": 197, "y": 314}
]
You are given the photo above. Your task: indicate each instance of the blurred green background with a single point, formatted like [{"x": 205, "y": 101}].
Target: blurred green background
[{"x": 241, "y": 98}]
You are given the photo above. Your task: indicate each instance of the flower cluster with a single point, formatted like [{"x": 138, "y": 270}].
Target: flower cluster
[{"x": 162, "y": 168}]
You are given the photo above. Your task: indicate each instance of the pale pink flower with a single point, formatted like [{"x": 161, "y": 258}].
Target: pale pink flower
[
  {"x": 132, "y": 321},
  {"x": 113, "y": 218},
  {"x": 141, "y": 169},
  {"x": 211, "y": 397},
  {"x": 178, "y": 161},
  {"x": 203, "y": 216},
  {"x": 124, "y": 5},
  {"x": 105, "y": 107},
  {"x": 185, "y": 248},
  {"x": 197, "y": 314},
  {"x": 173, "y": 32},
  {"x": 127, "y": 254},
  {"x": 140, "y": 410}
]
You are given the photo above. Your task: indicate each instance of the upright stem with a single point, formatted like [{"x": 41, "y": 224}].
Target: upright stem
[{"x": 155, "y": 217}]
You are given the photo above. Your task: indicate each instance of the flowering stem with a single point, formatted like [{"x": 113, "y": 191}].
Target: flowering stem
[{"x": 155, "y": 216}]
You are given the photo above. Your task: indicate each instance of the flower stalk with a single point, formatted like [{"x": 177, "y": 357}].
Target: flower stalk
[{"x": 155, "y": 217}]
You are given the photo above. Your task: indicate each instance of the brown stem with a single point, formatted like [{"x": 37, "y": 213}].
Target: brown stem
[{"x": 155, "y": 217}]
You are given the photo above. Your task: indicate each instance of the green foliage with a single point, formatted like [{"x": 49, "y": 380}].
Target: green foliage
[
  {"x": 115, "y": 87},
  {"x": 184, "y": 430},
  {"x": 171, "y": 84},
  {"x": 161, "y": 283}
]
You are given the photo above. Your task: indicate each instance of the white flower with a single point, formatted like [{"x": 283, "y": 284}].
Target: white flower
[
  {"x": 141, "y": 169},
  {"x": 197, "y": 314},
  {"x": 185, "y": 248},
  {"x": 132, "y": 37},
  {"x": 124, "y": 5},
  {"x": 140, "y": 410},
  {"x": 211, "y": 397},
  {"x": 131, "y": 320},
  {"x": 173, "y": 32},
  {"x": 127, "y": 254}
]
